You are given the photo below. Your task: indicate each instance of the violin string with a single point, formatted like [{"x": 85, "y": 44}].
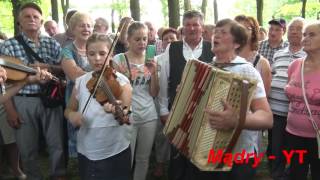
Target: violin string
[
  {"x": 109, "y": 93},
  {"x": 112, "y": 99}
]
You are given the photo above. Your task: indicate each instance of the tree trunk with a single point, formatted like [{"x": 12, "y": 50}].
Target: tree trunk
[
  {"x": 174, "y": 13},
  {"x": 164, "y": 9},
  {"x": 204, "y": 7},
  {"x": 112, "y": 21},
  {"x": 259, "y": 11},
  {"x": 187, "y": 5},
  {"x": 16, "y": 4},
  {"x": 303, "y": 9},
  {"x": 65, "y": 7},
  {"x": 54, "y": 10},
  {"x": 135, "y": 9},
  {"x": 215, "y": 10}
]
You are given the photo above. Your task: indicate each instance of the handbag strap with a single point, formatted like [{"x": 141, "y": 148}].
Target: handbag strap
[
  {"x": 256, "y": 60},
  {"x": 29, "y": 51},
  {"x": 313, "y": 122},
  {"x": 129, "y": 69}
]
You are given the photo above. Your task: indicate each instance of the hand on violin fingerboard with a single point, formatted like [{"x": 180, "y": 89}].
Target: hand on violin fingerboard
[
  {"x": 42, "y": 76},
  {"x": 111, "y": 108},
  {"x": 54, "y": 69}
]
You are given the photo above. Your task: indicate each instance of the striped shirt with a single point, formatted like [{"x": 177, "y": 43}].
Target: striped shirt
[
  {"x": 267, "y": 51},
  {"x": 277, "y": 98},
  {"x": 49, "y": 50}
]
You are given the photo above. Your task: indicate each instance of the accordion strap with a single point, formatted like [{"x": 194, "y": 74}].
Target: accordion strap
[{"x": 242, "y": 119}]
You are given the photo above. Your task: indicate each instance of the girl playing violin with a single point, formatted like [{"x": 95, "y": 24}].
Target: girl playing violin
[{"x": 102, "y": 145}]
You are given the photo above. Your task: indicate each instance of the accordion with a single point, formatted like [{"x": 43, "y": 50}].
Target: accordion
[{"x": 187, "y": 128}]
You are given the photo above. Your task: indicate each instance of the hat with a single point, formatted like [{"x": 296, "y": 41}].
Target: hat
[
  {"x": 31, "y": 5},
  {"x": 281, "y": 22}
]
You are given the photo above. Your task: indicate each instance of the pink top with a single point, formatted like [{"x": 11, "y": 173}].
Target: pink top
[{"x": 298, "y": 123}]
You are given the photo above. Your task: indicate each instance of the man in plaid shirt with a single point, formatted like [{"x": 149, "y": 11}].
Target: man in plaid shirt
[
  {"x": 25, "y": 112},
  {"x": 274, "y": 42}
]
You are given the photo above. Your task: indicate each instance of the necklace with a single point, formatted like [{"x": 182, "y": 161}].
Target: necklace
[{"x": 79, "y": 50}]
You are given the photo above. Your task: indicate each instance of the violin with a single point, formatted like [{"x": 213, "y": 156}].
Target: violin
[
  {"x": 109, "y": 90},
  {"x": 104, "y": 86},
  {"x": 16, "y": 70}
]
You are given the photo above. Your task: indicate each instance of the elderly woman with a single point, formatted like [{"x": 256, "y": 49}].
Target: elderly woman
[
  {"x": 230, "y": 37},
  {"x": 303, "y": 120},
  {"x": 74, "y": 62}
]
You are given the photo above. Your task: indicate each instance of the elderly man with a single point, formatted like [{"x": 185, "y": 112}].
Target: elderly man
[
  {"x": 278, "y": 100},
  {"x": 101, "y": 26},
  {"x": 172, "y": 63},
  {"x": 152, "y": 32},
  {"x": 29, "y": 120},
  {"x": 51, "y": 27}
]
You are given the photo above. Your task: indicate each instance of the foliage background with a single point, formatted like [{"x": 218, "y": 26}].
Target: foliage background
[{"x": 272, "y": 9}]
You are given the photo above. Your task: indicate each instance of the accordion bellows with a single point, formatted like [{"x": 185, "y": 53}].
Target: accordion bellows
[{"x": 187, "y": 128}]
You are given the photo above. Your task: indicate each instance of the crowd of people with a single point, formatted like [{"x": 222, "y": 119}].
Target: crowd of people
[{"x": 285, "y": 101}]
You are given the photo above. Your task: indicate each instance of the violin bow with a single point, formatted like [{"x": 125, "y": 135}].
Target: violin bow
[{"x": 114, "y": 42}]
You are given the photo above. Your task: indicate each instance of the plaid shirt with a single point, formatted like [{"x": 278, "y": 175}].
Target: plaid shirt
[
  {"x": 267, "y": 51},
  {"x": 49, "y": 50}
]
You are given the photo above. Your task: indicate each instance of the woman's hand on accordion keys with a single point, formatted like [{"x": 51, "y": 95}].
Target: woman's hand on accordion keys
[{"x": 226, "y": 119}]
